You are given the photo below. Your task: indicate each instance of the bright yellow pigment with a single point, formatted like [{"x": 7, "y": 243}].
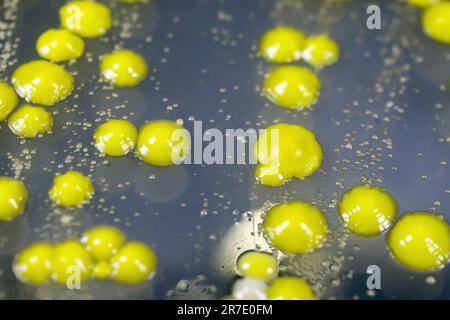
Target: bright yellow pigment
[
  {"x": 282, "y": 45},
  {"x": 42, "y": 82},
  {"x": 59, "y": 45},
  {"x": 115, "y": 137},
  {"x": 29, "y": 121},
  {"x": 103, "y": 242},
  {"x": 102, "y": 270},
  {"x": 69, "y": 260},
  {"x": 8, "y": 100},
  {"x": 285, "y": 151},
  {"x": 159, "y": 144},
  {"x": 71, "y": 189},
  {"x": 87, "y": 18},
  {"x": 259, "y": 265},
  {"x": 321, "y": 51},
  {"x": 133, "y": 264},
  {"x": 33, "y": 265},
  {"x": 367, "y": 211},
  {"x": 423, "y": 3},
  {"x": 290, "y": 288},
  {"x": 124, "y": 68},
  {"x": 420, "y": 241},
  {"x": 436, "y": 22},
  {"x": 13, "y": 198},
  {"x": 292, "y": 87},
  {"x": 295, "y": 227}
]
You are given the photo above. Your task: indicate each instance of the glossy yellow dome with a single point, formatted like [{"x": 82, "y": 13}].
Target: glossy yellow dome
[
  {"x": 13, "y": 198},
  {"x": 42, "y": 82},
  {"x": 295, "y": 227},
  {"x": 59, "y": 45},
  {"x": 29, "y": 121},
  {"x": 8, "y": 100}
]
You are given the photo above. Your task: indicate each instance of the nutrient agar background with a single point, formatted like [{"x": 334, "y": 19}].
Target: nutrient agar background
[{"x": 382, "y": 117}]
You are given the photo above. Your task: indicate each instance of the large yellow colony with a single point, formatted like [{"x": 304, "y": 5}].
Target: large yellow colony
[
  {"x": 115, "y": 137},
  {"x": 8, "y": 100},
  {"x": 285, "y": 151},
  {"x": 71, "y": 189},
  {"x": 59, "y": 45},
  {"x": 30, "y": 121},
  {"x": 123, "y": 68}
]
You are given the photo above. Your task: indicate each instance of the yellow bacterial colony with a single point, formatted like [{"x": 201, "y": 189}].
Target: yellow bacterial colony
[
  {"x": 285, "y": 151},
  {"x": 123, "y": 68},
  {"x": 321, "y": 51},
  {"x": 436, "y": 22},
  {"x": 290, "y": 288},
  {"x": 115, "y": 137},
  {"x": 71, "y": 189},
  {"x": 282, "y": 45},
  {"x": 8, "y": 100},
  {"x": 292, "y": 87},
  {"x": 13, "y": 198},
  {"x": 87, "y": 18},
  {"x": 42, "y": 82},
  {"x": 161, "y": 142},
  {"x": 259, "y": 265},
  {"x": 367, "y": 211},
  {"x": 59, "y": 45},
  {"x": 29, "y": 121},
  {"x": 295, "y": 227},
  {"x": 420, "y": 241}
]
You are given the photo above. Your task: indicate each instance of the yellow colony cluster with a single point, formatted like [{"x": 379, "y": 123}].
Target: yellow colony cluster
[
  {"x": 13, "y": 198},
  {"x": 115, "y": 137},
  {"x": 436, "y": 22},
  {"x": 30, "y": 121},
  {"x": 59, "y": 45},
  {"x": 285, "y": 151},
  {"x": 285, "y": 45},
  {"x": 101, "y": 253},
  {"x": 367, "y": 211},
  {"x": 123, "y": 68},
  {"x": 71, "y": 189},
  {"x": 423, "y": 3},
  {"x": 8, "y": 100},
  {"x": 295, "y": 227},
  {"x": 162, "y": 142}
]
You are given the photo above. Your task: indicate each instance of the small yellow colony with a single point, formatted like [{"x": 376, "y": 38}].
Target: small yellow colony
[
  {"x": 42, "y": 82},
  {"x": 86, "y": 18},
  {"x": 162, "y": 143},
  {"x": 282, "y": 45},
  {"x": 285, "y": 151},
  {"x": 259, "y": 265},
  {"x": 71, "y": 189},
  {"x": 321, "y": 51},
  {"x": 290, "y": 288},
  {"x": 8, "y": 100},
  {"x": 420, "y": 241},
  {"x": 13, "y": 198},
  {"x": 436, "y": 22},
  {"x": 33, "y": 265},
  {"x": 115, "y": 137},
  {"x": 69, "y": 258},
  {"x": 59, "y": 45},
  {"x": 295, "y": 227},
  {"x": 29, "y": 121},
  {"x": 102, "y": 253},
  {"x": 367, "y": 211},
  {"x": 292, "y": 87},
  {"x": 123, "y": 68}
]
